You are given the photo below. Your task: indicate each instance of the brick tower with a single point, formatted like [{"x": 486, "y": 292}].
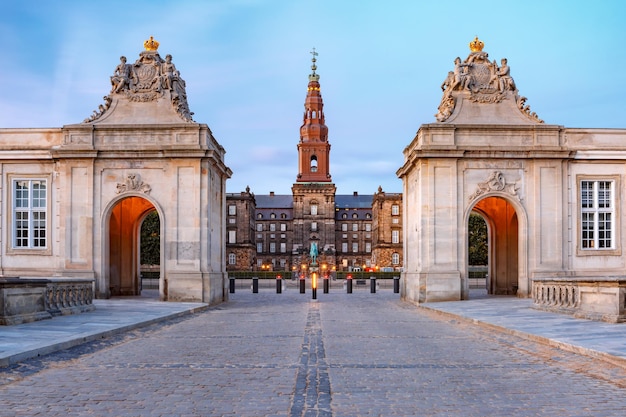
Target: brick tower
[{"x": 314, "y": 192}]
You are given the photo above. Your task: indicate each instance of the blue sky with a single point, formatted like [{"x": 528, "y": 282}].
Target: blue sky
[{"x": 246, "y": 65}]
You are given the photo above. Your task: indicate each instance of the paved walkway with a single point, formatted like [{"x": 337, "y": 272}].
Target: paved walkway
[
  {"x": 357, "y": 354},
  {"x": 114, "y": 316},
  {"x": 516, "y": 316}
]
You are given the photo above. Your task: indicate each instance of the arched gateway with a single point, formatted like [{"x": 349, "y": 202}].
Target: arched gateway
[
  {"x": 95, "y": 182},
  {"x": 552, "y": 198}
]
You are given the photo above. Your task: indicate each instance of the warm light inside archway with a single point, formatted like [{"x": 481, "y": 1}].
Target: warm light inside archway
[
  {"x": 124, "y": 251},
  {"x": 503, "y": 244}
]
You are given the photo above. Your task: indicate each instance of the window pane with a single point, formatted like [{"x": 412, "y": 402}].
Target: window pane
[
  {"x": 604, "y": 194},
  {"x": 586, "y": 194}
]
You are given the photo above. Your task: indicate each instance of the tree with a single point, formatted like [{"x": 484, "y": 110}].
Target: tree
[
  {"x": 477, "y": 240},
  {"x": 151, "y": 240}
]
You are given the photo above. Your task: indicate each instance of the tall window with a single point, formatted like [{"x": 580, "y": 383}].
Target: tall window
[
  {"x": 283, "y": 227},
  {"x": 272, "y": 227},
  {"x": 597, "y": 213},
  {"x": 283, "y": 247},
  {"x": 259, "y": 227},
  {"x": 232, "y": 236},
  {"x": 29, "y": 214},
  {"x": 395, "y": 258},
  {"x": 232, "y": 210},
  {"x": 313, "y": 209},
  {"x": 314, "y": 226},
  {"x": 344, "y": 247},
  {"x": 355, "y": 247},
  {"x": 232, "y": 259},
  {"x": 344, "y": 227},
  {"x": 395, "y": 236},
  {"x": 355, "y": 227},
  {"x": 368, "y": 247},
  {"x": 259, "y": 247},
  {"x": 395, "y": 210},
  {"x": 272, "y": 247}
]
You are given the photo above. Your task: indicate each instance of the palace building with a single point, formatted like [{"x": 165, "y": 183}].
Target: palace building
[
  {"x": 552, "y": 197},
  {"x": 275, "y": 232},
  {"x": 73, "y": 198}
]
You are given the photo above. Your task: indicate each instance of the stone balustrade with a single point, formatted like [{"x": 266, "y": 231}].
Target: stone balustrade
[
  {"x": 23, "y": 300},
  {"x": 69, "y": 297},
  {"x": 600, "y": 299}
]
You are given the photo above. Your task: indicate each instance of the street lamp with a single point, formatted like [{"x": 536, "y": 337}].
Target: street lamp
[{"x": 302, "y": 281}]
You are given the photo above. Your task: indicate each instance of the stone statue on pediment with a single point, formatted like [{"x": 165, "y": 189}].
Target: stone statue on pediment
[
  {"x": 502, "y": 76},
  {"x": 121, "y": 78}
]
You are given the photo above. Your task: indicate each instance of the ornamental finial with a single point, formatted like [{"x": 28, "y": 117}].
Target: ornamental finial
[
  {"x": 476, "y": 45},
  {"x": 151, "y": 44},
  {"x": 314, "y": 76}
]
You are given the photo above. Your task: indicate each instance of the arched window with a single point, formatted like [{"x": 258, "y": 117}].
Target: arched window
[
  {"x": 259, "y": 216},
  {"x": 395, "y": 258},
  {"x": 313, "y": 163},
  {"x": 368, "y": 216},
  {"x": 232, "y": 259},
  {"x": 344, "y": 216},
  {"x": 355, "y": 216},
  {"x": 313, "y": 209},
  {"x": 273, "y": 216}
]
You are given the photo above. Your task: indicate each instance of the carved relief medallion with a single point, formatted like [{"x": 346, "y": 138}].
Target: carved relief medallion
[
  {"x": 133, "y": 183},
  {"x": 495, "y": 182}
]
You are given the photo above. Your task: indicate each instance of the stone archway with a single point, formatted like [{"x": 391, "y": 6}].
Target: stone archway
[
  {"x": 504, "y": 244},
  {"x": 124, "y": 225}
]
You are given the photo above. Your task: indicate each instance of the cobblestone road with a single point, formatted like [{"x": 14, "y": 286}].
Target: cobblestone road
[{"x": 272, "y": 354}]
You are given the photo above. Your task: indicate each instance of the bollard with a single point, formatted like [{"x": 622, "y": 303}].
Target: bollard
[
  {"x": 372, "y": 285},
  {"x": 279, "y": 284},
  {"x": 396, "y": 285},
  {"x": 302, "y": 284},
  {"x": 326, "y": 285},
  {"x": 232, "y": 285},
  {"x": 349, "y": 284},
  {"x": 255, "y": 285}
]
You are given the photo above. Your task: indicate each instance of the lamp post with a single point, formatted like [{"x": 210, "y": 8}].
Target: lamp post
[
  {"x": 325, "y": 278},
  {"x": 279, "y": 284},
  {"x": 302, "y": 280}
]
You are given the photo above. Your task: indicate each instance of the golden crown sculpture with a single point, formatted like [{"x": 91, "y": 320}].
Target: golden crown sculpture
[
  {"x": 476, "y": 45},
  {"x": 151, "y": 44}
]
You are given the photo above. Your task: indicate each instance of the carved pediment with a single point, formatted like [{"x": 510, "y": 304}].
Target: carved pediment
[
  {"x": 478, "y": 80},
  {"x": 145, "y": 81}
]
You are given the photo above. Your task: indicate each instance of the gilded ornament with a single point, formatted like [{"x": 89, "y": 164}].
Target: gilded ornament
[
  {"x": 476, "y": 45},
  {"x": 151, "y": 44}
]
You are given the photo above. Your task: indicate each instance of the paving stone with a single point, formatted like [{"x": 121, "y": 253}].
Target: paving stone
[{"x": 357, "y": 354}]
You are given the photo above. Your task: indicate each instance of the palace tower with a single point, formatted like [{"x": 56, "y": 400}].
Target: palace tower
[{"x": 314, "y": 192}]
